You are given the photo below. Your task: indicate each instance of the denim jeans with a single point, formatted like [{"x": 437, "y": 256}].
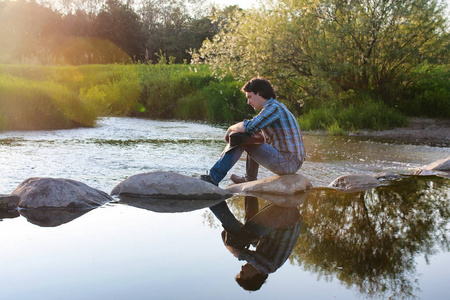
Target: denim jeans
[{"x": 263, "y": 154}]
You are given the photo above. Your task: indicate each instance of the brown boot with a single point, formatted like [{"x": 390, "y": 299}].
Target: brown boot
[{"x": 238, "y": 179}]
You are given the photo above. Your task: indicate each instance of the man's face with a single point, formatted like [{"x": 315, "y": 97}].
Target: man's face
[{"x": 255, "y": 100}]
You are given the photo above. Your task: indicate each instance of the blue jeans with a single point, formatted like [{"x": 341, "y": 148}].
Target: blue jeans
[{"x": 263, "y": 154}]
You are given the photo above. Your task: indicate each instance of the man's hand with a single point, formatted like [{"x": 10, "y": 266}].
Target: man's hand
[{"x": 238, "y": 127}]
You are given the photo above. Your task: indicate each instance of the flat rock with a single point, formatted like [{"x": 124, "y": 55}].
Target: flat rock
[
  {"x": 9, "y": 202},
  {"x": 161, "y": 184},
  {"x": 41, "y": 192},
  {"x": 289, "y": 184},
  {"x": 355, "y": 181},
  {"x": 440, "y": 165}
]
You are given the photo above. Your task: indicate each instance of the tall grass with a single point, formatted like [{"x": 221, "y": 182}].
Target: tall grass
[
  {"x": 429, "y": 96},
  {"x": 352, "y": 111},
  {"x": 46, "y": 97}
]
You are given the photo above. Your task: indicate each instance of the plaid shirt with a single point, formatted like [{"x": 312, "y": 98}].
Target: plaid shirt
[{"x": 280, "y": 128}]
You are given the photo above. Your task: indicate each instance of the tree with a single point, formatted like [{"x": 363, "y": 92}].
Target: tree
[
  {"x": 174, "y": 26},
  {"x": 314, "y": 49},
  {"x": 119, "y": 24}
]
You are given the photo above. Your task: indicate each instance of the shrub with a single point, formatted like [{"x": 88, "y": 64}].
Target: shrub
[{"x": 352, "y": 112}]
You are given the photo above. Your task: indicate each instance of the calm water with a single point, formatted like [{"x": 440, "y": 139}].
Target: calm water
[{"x": 390, "y": 241}]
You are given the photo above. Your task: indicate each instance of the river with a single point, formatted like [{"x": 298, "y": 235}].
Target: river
[{"x": 122, "y": 252}]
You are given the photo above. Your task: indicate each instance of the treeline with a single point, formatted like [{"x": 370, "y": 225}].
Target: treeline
[
  {"x": 99, "y": 31},
  {"x": 337, "y": 63}
]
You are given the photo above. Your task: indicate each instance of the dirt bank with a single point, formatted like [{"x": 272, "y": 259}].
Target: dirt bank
[{"x": 433, "y": 132}]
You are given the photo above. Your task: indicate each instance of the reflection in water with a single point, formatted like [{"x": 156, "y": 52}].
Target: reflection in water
[
  {"x": 369, "y": 240},
  {"x": 272, "y": 231},
  {"x": 52, "y": 217},
  {"x": 8, "y": 214},
  {"x": 166, "y": 205}
]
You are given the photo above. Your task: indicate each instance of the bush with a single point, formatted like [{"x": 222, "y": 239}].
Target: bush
[
  {"x": 353, "y": 111},
  {"x": 429, "y": 96}
]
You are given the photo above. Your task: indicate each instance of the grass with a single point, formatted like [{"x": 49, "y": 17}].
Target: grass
[
  {"x": 50, "y": 97},
  {"x": 353, "y": 111}
]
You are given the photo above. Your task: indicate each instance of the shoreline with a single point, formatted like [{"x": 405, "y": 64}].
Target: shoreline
[{"x": 420, "y": 131}]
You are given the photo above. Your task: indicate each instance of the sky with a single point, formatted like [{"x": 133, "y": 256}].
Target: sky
[
  {"x": 249, "y": 3},
  {"x": 242, "y": 3}
]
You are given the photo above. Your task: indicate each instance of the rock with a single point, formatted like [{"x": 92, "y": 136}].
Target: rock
[
  {"x": 386, "y": 176},
  {"x": 289, "y": 184},
  {"x": 167, "y": 205},
  {"x": 9, "y": 202},
  {"x": 440, "y": 165},
  {"x": 41, "y": 192},
  {"x": 168, "y": 185},
  {"x": 423, "y": 172},
  {"x": 355, "y": 181}
]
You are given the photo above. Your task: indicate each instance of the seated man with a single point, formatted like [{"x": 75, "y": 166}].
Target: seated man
[{"x": 282, "y": 152}]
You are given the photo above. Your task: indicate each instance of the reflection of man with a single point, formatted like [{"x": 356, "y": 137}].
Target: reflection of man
[
  {"x": 273, "y": 231},
  {"x": 282, "y": 152}
]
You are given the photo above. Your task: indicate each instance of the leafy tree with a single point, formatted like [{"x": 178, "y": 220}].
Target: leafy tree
[
  {"x": 173, "y": 27},
  {"x": 25, "y": 29},
  {"x": 314, "y": 49},
  {"x": 119, "y": 24}
]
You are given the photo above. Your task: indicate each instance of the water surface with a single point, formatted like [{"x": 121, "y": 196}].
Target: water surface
[{"x": 389, "y": 241}]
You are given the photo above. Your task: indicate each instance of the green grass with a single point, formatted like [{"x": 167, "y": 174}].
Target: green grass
[
  {"x": 48, "y": 97},
  {"x": 353, "y": 111}
]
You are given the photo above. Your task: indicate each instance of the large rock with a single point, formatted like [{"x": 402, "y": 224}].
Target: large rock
[
  {"x": 438, "y": 168},
  {"x": 59, "y": 193},
  {"x": 168, "y": 185},
  {"x": 9, "y": 202},
  {"x": 281, "y": 185},
  {"x": 355, "y": 181},
  {"x": 440, "y": 165}
]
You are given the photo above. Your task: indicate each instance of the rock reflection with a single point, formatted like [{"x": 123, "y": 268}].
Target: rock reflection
[
  {"x": 369, "y": 240},
  {"x": 166, "y": 205},
  {"x": 52, "y": 217},
  {"x": 8, "y": 214},
  {"x": 264, "y": 241}
]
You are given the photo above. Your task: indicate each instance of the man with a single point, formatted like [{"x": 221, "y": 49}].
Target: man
[
  {"x": 282, "y": 152},
  {"x": 273, "y": 231}
]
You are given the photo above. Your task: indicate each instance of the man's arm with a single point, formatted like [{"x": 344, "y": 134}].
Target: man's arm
[{"x": 238, "y": 127}]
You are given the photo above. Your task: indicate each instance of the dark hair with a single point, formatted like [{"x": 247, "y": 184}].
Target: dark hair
[
  {"x": 252, "y": 284},
  {"x": 260, "y": 86}
]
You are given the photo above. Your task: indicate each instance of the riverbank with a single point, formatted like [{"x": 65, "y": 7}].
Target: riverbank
[
  {"x": 420, "y": 131},
  {"x": 433, "y": 132}
]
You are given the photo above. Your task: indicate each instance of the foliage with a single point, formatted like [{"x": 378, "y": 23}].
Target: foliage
[
  {"x": 429, "y": 96},
  {"x": 315, "y": 49},
  {"x": 100, "y": 31},
  {"x": 43, "y": 97},
  {"x": 368, "y": 240},
  {"x": 352, "y": 112},
  {"x": 28, "y": 104}
]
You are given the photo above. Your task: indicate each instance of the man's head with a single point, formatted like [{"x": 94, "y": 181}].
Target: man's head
[
  {"x": 258, "y": 91},
  {"x": 261, "y": 87},
  {"x": 250, "y": 278}
]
